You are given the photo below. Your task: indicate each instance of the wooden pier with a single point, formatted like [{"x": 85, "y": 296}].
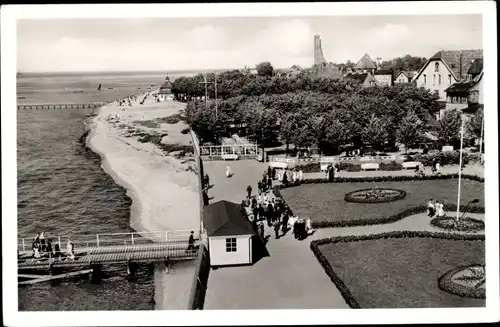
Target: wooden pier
[
  {"x": 59, "y": 106},
  {"x": 130, "y": 248}
]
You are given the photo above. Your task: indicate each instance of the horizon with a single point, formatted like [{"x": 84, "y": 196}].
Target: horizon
[{"x": 153, "y": 44}]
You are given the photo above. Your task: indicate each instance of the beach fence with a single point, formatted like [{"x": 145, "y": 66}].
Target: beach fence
[
  {"x": 233, "y": 151},
  {"x": 200, "y": 280}
]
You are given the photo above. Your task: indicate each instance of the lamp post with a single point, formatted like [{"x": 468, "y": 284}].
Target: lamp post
[
  {"x": 460, "y": 166},
  {"x": 467, "y": 206}
]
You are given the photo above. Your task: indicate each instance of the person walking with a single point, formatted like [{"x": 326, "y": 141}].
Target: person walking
[
  {"x": 261, "y": 230},
  {"x": 36, "y": 249},
  {"x": 207, "y": 181},
  {"x": 284, "y": 221},
  {"x": 269, "y": 172},
  {"x": 285, "y": 177},
  {"x": 228, "y": 171},
  {"x": 269, "y": 184},
  {"x": 301, "y": 175},
  {"x": 430, "y": 208},
  {"x": 249, "y": 191},
  {"x": 437, "y": 168},
  {"x": 259, "y": 186},
  {"x": 276, "y": 229},
  {"x": 190, "y": 242},
  {"x": 262, "y": 212},
  {"x": 270, "y": 214},
  {"x": 48, "y": 248},
  {"x": 440, "y": 209}
]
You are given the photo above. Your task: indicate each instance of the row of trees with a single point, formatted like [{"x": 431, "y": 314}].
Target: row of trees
[{"x": 310, "y": 111}]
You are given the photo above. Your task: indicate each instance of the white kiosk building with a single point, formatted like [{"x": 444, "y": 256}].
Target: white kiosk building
[{"x": 229, "y": 234}]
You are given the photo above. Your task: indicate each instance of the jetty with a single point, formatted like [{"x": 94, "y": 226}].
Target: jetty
[
  {"x": 92, "y": 252},
  {"x": 60, "y": 106}
]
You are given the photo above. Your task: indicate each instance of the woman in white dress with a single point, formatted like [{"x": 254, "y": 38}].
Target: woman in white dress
[
  {"x": 440, "y": 209},
  {"x": 301, "y": 175},
  {"x": 228, "y": 171},
  {"x": 70, "y": 249}
]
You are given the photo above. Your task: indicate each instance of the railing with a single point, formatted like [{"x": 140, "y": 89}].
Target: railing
[
  {"x": 114, "y": 239},
  {"x": 244, "y": 150},
  {"x": 60, "y": 106}
]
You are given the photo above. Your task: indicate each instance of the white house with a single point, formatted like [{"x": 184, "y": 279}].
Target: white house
[
  {"x": 165, "y": 90},
  {"x": 444, "y": 69},
  {"x": 229, "y": 234},
  {"x": 404, "y": 77}
]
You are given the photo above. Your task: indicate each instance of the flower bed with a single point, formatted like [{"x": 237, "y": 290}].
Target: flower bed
[
  {"x": 465, "y": 224},
  {"x": 469, "y": 285},
  {"x": 375, "y": 195},
  {"x": 404, "y": 279}
]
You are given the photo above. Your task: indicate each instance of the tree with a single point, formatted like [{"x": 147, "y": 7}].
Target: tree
[
  {"x": 375, "y": 132},
  {"x": 475, "y": 125},
  {"x": 265, "y": 69},
  {"x": 448, "y": 127},
  {"x": 410, "y": 130}
]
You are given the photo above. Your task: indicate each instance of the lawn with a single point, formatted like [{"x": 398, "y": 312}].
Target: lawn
[
  {"x": 402, "y": 272},
  {"x": 325, "y": 201}
]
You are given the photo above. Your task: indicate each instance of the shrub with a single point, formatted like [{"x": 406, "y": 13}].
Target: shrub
[
  {"x": 346, "y": 294},
  {"x": 444, "y": 158},
  {"x": 349, "y": 166},
  {"x": 390, "y": 166},
  {"x": 312, "y": 167},
  {"x": 466, "y": 224}
]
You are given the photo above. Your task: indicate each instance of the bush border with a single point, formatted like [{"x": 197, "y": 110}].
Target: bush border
[
  {"x": 447, "y": 285},
  {"x": 382, "y": 220},
  {"x": 349, "y": 198},
  {"x": 344, "y": 290},
  {"x": 470, "y": 219}
]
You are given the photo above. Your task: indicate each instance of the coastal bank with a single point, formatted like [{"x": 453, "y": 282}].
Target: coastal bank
[{"x": 163, "y": 186}]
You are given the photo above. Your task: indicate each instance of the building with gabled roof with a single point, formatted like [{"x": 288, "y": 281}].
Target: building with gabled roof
[
  {"x": 229, "y": 233},
  {"x": 165, "y": 91},
  {"x": 366, "y": 64},
  {"x": 404, "y": 77},
  {"x": 446, "y": 68},
  {"x": 467, "y": 94},
  {"x": 384, "y": 77}
]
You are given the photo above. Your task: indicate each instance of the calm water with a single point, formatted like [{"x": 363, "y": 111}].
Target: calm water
[{"x": 62, "y": 189}]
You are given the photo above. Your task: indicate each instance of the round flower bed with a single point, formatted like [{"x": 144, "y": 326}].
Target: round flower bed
[
  {"x": 465, "y": 224},
  {"x": 467, "y": 281},
  {"x": 375, "y": 195}
]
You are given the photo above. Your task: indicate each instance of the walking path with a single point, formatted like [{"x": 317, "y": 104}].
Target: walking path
[{"x": 290, "y": 277}]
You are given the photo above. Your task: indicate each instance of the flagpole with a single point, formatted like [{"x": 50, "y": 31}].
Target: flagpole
[{"x": 460, "y": 166}]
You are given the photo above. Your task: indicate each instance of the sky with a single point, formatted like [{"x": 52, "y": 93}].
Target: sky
[{"x": 158, "y": 44}]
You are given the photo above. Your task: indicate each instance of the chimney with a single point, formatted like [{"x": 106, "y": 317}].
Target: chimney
[{"x": 461, "y": 59}]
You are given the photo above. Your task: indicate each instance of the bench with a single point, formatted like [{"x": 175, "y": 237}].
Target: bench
[
  {"x": 410, "y": 164},
  {"x": 229, "y": 156},
  {"x": 371, "y": 165}
]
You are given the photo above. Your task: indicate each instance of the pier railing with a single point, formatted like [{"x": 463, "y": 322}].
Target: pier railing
[
  {"x": 113, "y": 239},
  {"x": 217, "y": 151},
  {"x": 60, "y": 106}
]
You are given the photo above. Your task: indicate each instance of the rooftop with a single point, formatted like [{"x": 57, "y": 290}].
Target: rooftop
[
  {"x": 366, "y": 63},
  {"x": 452, "y": 59},
  {"x": 224, "y": 218},
  {"x": 358, "y": 77}
]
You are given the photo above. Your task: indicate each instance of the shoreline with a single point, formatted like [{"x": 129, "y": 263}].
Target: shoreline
[
  {"x": 162, "y": 186},
  {"x": 126, "y": 160}
]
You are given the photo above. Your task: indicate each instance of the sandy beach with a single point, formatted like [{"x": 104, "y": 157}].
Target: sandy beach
[
  {"x": 162, "y": 186},
  {"x": 133, "y": 142}
]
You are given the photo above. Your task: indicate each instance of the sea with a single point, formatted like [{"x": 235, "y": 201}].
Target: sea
[{"x": 62, "y": 189}]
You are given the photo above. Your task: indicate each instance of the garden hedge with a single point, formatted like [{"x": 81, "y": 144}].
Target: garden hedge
[
  {"x": 446, "y": 284},
  {"x": 346, "y": 294},
  {"x": 349, "y": 198},
  {"x": 384, "y": 220},
  {"x": 469, "y": 224}
]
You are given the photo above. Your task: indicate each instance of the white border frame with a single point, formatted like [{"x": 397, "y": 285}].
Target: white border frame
[{"x": 9, "y": 15}]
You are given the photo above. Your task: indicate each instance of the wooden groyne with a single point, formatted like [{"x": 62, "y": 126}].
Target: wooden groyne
[{"x": 59, "y": 106}]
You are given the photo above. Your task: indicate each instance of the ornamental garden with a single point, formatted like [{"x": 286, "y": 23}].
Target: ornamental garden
[{"x": 442, "y": 265}]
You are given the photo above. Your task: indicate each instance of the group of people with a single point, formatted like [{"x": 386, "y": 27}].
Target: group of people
[
  {"x": 435, "y": 208},
  {"x": 295, "y": 175},
  {"x": 40, "y": 247},
  {"x": 332, "y": 171},
  {"x": 263, "y": 208}
]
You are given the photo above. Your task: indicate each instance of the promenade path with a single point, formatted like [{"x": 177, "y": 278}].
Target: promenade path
[{"x": 290, "y": 277}]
